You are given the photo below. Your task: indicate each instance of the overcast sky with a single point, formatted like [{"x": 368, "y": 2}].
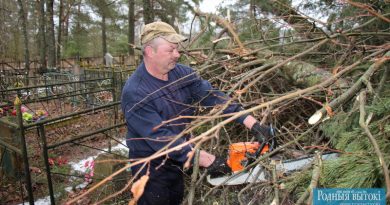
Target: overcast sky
[{"x": 209, "y": 5}]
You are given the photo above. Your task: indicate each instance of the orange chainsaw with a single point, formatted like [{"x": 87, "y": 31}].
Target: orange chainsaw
[{"x": 242, "y": 154}]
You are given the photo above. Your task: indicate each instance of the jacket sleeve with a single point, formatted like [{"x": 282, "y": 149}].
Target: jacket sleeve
[
  {"x": 144, "y": 119},
  {"x": 203, "y": 91}
]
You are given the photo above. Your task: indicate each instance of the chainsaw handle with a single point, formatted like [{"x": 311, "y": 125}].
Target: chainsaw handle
[
  {"x": 262, "y": 132},
  {"x": 267, "y": 141}
]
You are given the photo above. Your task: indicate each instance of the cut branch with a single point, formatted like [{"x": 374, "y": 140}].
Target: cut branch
[
  {"x": 314, "y": 180},
  {"x": 224, "y": 24},
  {"x": 364, "y": 125},
  {"x": 369, "y": 9},
  {"x": 354, "y": 89}
]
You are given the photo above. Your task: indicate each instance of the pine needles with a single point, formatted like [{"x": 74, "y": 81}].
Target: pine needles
[{"x": 358, "y": 166}]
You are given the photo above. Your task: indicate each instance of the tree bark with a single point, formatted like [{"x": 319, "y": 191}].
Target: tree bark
[
  {"x": 68, "y": 11},
  {"x": 252, "y": 9},
  {"x": 104, "y": 37},
  {"x": 23, "y": 17},
  {"x": 77, "y": 32},
  {"x": 131, "y": 27},
  {"x": 148, "y": 11},
  {"x": 59, "y": 31},
  {"x": 51, "y": 55},
  {"x": 42, "y": 39},
  {"x": 305, "y": 74}
]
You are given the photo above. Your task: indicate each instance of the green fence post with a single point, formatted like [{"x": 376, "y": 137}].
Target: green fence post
[{"x": 18, "y": 105}]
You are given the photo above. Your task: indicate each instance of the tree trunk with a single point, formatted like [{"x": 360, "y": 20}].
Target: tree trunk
[
  {"x": 300, "y": 73},
  {"x": 50, "y": 35},
  {"x": 168, "y": 8},
  {"x": 148, "y": 11},
  {"x": 78, "y": 30},
  {"x": 131, "y": 27},
  {"x": 42, "y": 39},
  {"x": 23, "y": 16},
  {"x": 59, "y": 32},
  {"x": 104, "y": 37},
  {"x": 252, "y": 9},
  {"x": 66, "y": 29},
  {"x": 162, "y": 14},
  {"x": 67, "y": 13}
]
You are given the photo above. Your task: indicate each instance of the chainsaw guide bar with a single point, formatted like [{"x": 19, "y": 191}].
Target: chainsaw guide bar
[{"x": 260, "y": 174}]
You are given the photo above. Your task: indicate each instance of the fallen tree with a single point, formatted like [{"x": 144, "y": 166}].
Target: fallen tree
[{"x": 285, "y": 84}]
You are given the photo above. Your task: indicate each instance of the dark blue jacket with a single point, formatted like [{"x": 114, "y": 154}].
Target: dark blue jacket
[{"x": 147, "y": 101}]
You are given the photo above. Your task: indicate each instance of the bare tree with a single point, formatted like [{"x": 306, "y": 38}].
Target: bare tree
[
  {"x": 104, "y": 36},
  {"x": 148, "y": 11},
  {"x": 105, "y": 11},
  {"x": 59, "y": 31},
  {"x": 51, "y": 55},
  {"x": 42, "y": 36},
  {"x": 130, "y": 34},
  {"x": 23, "y": 17}
]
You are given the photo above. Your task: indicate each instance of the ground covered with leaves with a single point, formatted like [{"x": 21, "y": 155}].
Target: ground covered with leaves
[{"x": 66, "y": 181}]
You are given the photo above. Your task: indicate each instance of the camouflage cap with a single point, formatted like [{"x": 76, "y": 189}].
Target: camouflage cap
[{"x": 160, "y": 29}]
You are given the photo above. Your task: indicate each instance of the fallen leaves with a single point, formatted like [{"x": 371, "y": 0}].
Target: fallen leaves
[{"x": 138, "y": 189}]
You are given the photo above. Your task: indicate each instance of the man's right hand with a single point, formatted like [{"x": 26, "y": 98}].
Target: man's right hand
[
  {"x": 215, "y": 165},
  {"x": 219, "y": 167}
]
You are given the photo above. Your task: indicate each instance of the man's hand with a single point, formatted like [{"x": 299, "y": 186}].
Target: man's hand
[
  {"x": 205, "y": 158},
  {"x": 219, "y": 167},
  {"x": 262, "y": 132},
  {"x": 215, "y": 165}
]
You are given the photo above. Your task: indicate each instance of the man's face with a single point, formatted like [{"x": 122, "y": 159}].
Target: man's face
[{"x": 165, "y": 55}]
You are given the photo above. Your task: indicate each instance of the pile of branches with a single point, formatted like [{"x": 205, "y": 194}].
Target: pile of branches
[
  {"x": 308, "y": 90},
  {"x": 314, "y": 107}
]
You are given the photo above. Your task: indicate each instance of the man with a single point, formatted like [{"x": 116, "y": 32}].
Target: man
[{"x": 159, "y": 90}]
